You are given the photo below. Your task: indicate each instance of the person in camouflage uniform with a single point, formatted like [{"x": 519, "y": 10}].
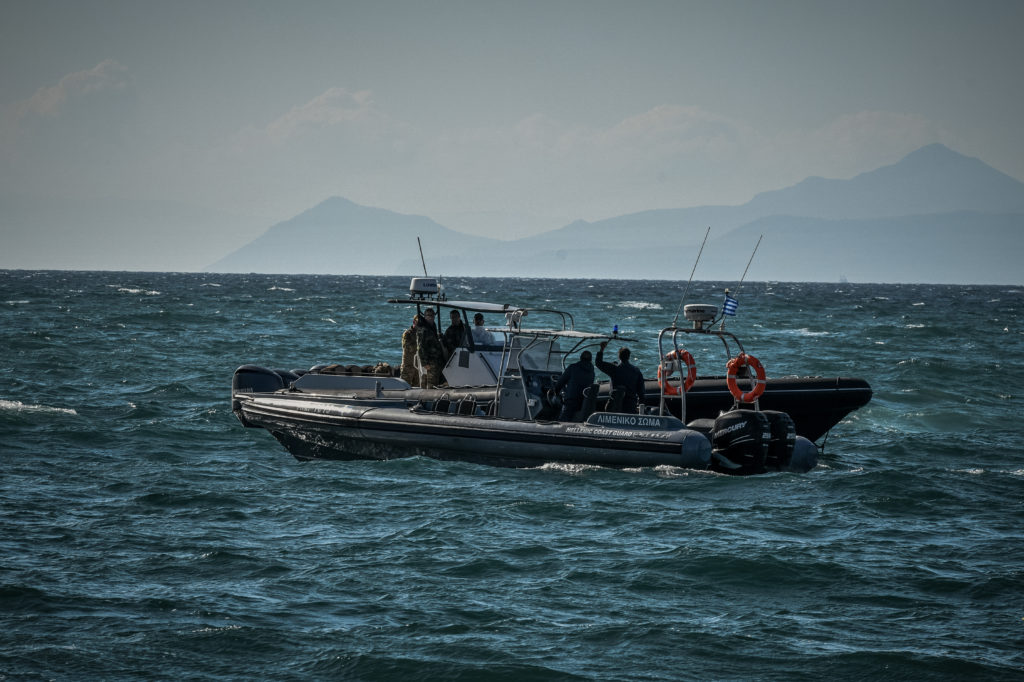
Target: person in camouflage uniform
[
  {"x": 409, "y": 373},
  {"x": 429, "y": 350}
]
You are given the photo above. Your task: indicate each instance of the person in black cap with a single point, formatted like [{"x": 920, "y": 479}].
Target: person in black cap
[
  {"x": 576, "y": 377},
  {"x": 623, "y": 376}
]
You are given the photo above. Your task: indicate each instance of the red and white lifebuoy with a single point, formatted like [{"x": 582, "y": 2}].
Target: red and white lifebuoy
[
  {"x": 759, "y": 378},
  {"x": 666, "y": 369}
]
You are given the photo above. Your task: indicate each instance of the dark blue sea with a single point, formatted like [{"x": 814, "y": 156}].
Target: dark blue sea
[{"x": 146, "y": 535}]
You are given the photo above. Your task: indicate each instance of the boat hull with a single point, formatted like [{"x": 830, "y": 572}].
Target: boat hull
[
  {"x": 350, "y": 430},
  {"x": 815, "y": 404}
]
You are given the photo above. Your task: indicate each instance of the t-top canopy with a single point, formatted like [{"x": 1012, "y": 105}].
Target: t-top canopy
[
  {"x": 472, "y": 306},
  {"x": 572, "y": 334}
]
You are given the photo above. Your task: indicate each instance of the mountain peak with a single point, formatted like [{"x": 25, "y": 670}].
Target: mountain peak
[
  {"x": 955, "y": 203},
  {"x": 338, "y": 202},
  {"x": 932, "y": 179},
  {"x": 932, "y": 153},
  {"x": 332, "y": 207}
]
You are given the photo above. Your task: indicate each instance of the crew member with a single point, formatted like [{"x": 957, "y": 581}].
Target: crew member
[
  {"x": 576, "y": 377},
  {"x": 481, "y": 337},
  {"x": 408, "y": 372},
  {"x": 429, "y": 350},
  {"x": 455, "y": 334},
  {"x": 623, "y": 376}
]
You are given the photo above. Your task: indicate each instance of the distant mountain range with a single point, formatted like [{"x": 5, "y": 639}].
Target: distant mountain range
[{"x": 935, "y": 216}]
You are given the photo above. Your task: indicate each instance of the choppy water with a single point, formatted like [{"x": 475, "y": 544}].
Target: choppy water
[{"x": 146, "y": 535}]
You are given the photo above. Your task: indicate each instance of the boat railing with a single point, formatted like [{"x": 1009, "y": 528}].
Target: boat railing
[
  {"x": 671, "y": 336},
  {"x": 532, "y": 361},
  {"x": 517, "y": 346}
]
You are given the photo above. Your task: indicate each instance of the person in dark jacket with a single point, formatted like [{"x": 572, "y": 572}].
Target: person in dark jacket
[
  {"x": 623, "y": 376},
  {"x": 455, "y": 334},
  {"x": 576, "y": 377}
]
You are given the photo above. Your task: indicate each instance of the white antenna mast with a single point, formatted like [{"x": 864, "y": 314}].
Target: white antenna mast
[
  {"x": 420, "y": 244},
  {"x": 740, "y": 285},
  {"x": 687, "y": 289}
]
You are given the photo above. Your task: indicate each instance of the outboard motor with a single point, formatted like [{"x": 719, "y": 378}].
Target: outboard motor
[
  {"x": 783, "y": 438},
  {"x": 288, "y": 375},
  {"x": 256, "y": 379},
  {"x": 739, "y": 442},
  {"x": 805, "y": 456}
]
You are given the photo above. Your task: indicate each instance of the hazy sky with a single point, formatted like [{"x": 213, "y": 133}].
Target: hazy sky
[{"x": 494, "y": 117}]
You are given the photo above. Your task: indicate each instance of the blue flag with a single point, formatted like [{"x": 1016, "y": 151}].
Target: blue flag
[{"x": 729, "y": 307}]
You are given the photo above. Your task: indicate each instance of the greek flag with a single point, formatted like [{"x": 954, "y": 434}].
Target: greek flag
[{"x": 729, "y": 307}]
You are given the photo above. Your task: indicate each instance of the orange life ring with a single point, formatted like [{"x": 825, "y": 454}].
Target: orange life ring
[
  {"x": 759, "y": 378},
  {"x": 672, "y": 358}
]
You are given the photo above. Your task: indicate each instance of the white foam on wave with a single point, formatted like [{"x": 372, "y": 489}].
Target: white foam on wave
[
  {"x": 669, "y": 471},
  {"x": 640, "y": 305},
  {"x": 277, "y": 288},
  {"x": 17, "y": 302},
  {"x": 564, "y": 467},
  {"x": 18, "y": 406},
  {"x": 137, "y": 291}
]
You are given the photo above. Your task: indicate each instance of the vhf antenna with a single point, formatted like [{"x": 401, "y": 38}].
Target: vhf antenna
[
  {"x": 687, "y": 289},
  {"x": 418, "y": 243},
  {"x": 740, "y": 285}
]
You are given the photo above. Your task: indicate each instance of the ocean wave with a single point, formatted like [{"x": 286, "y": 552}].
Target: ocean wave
[
  {"x": 138, "y": 291},
  {"x": 641, "y": 305},
  {"x": 151, "y": 520},
  {"x": 18, "y": 406},
  {"x": 566, "y": 468}
]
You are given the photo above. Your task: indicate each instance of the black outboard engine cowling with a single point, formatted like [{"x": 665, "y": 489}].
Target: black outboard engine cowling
[
  {"x": 783, "y": 439},
  {"x": 739, "y": 442},
  {"x": 256, "y": 379},
  {"x": 805, "y": 456},
  {"x": 287, "y": 375}
]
